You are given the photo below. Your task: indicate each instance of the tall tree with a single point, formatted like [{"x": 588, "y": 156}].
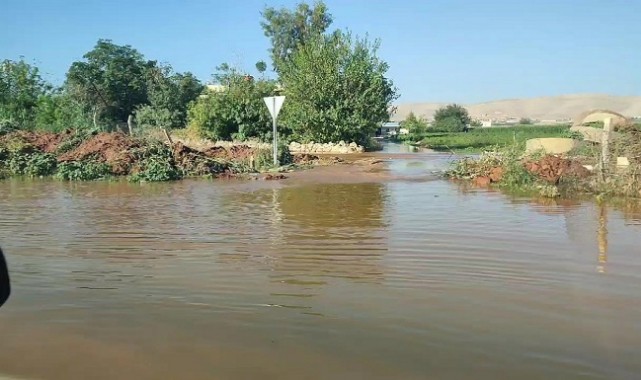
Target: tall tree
[
  {"x": 451, "y": 118},
  {"x": 21, "y": 88},
  {"x": 169, "y": 94},
  {"x": 337, "y": 89},
  {"x": 112, "y": 80},
  {"x": 289, "y": 29}
]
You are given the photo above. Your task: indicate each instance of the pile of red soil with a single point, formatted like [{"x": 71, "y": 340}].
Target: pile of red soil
[
  {"x": 114, "y": 149},
  {"x": 552, "y": 168},
  {"x": 46, "y": 142}
]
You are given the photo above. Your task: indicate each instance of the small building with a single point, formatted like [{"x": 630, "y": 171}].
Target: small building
[
  {"x": 486, "y": 123},
  {"x": 388, "y": 129}
]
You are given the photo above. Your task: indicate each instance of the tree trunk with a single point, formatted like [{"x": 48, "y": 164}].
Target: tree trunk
[
  {"x": 171, "y": 142},
  {"x": 95, "y": 117}
]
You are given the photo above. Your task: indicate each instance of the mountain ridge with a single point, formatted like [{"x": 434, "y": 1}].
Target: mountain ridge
[{"x": 545, "y": 108}]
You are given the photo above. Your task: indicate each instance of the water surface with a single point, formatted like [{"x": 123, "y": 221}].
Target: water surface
[{"x": 404, "y": 278}]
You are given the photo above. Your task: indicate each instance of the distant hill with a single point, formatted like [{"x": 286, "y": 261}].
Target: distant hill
[{"x": 564, "y": 107}]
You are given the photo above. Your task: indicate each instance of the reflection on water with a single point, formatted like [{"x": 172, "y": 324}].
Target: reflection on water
[
  {"x": 274, "y": 280},
  {"x": 603, "y": 239}
]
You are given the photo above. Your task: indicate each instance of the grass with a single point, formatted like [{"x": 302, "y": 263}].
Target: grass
[{"x": 480, "y": 139}]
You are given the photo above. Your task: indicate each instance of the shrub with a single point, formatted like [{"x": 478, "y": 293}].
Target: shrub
[
  {"x": 82, "y": 170},
  {"x": 156, "y": 164},
  {"x": 449, "y": 124},
  {"x": 453, "y": 111},
  {"x": 416, "y": 126},
  {"x": 40, "y": 164}
]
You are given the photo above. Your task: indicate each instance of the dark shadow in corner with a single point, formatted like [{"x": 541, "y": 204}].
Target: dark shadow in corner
[{"x": 5, "y": 287}]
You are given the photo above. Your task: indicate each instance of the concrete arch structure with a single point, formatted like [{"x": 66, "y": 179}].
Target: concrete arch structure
[
  {"x": 595, "y": 134},
  {"x": 599, "y": 115}
]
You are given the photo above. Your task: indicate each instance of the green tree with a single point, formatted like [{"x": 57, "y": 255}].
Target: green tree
[
  {"x": 337, "y": 89},
  {"x": 415, "y": 126},
  {"x": 111, "y": 81},
  {"x": 237, "y": 112},
  {"x": 288, "y": 30},
  {"x": 58, "y": 111},
  {"x": 169, "y": 95},
  {"x": 21, "y": 88},
  {"x": 525, "y": 121},
  {"x": 450, "y": 124},
  {"x": 261, "y": 67},
  {"x": 451, "y": 118}
]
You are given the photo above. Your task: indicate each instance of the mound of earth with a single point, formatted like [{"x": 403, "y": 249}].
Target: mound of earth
[
  {"x": 47, "y": 142},
  {"x": 553, "y": 168},
  {"x": 114, "y": 149}
]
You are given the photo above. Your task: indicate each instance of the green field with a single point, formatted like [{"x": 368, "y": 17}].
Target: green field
[{"x": 479, "y": 139}]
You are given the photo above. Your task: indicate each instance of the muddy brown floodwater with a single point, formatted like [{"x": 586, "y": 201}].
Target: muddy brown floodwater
[{"x": 386, "y": 273}]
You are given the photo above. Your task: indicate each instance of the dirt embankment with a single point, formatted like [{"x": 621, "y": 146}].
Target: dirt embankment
[
  {"x": 45, "y": 142},
  {"x": 115, "y": 149},
  {"x": 550, "y": 169},
  {"x": 126, "y": 155}
]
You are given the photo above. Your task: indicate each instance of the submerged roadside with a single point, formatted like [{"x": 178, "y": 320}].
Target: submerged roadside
[
  {"x": 72, "y": 155},
  {"x": 587, "y": 169}
]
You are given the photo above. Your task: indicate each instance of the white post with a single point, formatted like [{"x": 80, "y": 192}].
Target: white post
[
  {"x": 274, "y": 104},
  {"x": 605, "y": 147},
  {"x": 275, "y": 133}
]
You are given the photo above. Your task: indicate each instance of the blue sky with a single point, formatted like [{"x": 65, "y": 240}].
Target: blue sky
[{"x": 438, "y": 50}]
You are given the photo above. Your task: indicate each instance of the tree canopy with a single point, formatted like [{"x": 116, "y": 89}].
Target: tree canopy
[
  {"x": 112, "y": 79},
  {"x": 451, "y": 118},
  {"x": 21, "y": 88},
  {"x": 290, "y": 29},
  {"x": 236, "y": 112},
  {"x": 337, "y": 89}
]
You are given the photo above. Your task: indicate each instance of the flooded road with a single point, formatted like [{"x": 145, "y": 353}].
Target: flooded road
[{"x": 390, "y": 277}]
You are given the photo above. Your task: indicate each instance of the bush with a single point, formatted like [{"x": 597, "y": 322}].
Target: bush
[
  {"x": 156, "y": 164},
  {"x": 82, "y": 171},
  {"x": 416, "y": 127},
  {"x": 449, "y": 124},
  {"x": 18, "y": 157},
  {"x": 7, "y": 126},
  {"x": 452, "y": 111},
  {"x": 40, "y": 164},
  {"x": 238, "y": 111}
]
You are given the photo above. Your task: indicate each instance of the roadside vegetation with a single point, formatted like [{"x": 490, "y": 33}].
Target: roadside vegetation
[
  {"x": 480, "y": 139},
  {"x": 568, "y": 175},
  {"x": 454, "y": 130},
  {"x": 336, "y": 86}
]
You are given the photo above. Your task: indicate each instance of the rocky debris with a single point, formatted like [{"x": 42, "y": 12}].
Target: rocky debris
[
  {"x": 275, "y": 177},
  {"x": 552, "y": 168},
  {"x": 332, "y": 148}
]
